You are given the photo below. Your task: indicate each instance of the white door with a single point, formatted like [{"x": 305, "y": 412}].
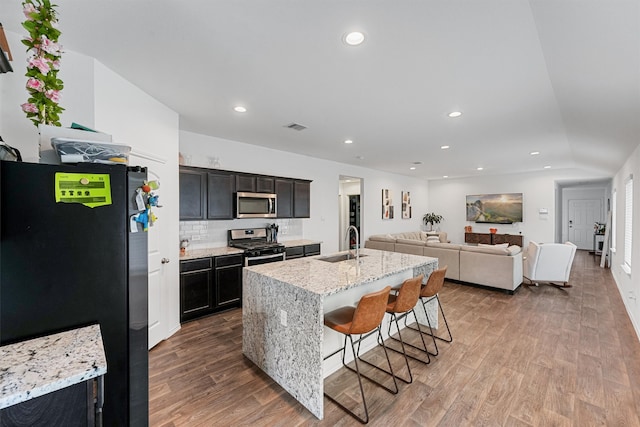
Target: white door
[
  {"x": 583, "y": 214},
  {"x": 161, "y": 262}
]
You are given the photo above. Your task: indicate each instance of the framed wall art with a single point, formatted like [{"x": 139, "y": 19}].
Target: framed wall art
[
  {"x": 406, "y": 205},
  {"x": 387, "y": 204}
]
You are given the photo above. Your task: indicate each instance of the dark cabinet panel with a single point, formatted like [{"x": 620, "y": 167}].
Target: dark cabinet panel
[
  {"x": 265, "y": 184},
  {"x": 195, "y": 294},
  {"x": 310, "y": 250},
  {"x": 193, "y": 188},
  {"x": 294, "y": 252},
  {"x": 220, "y": 195},
  {"x": 284, "y": 192},
  {"x": 493, "y": 239},
  {"x": 195, "y": 288},
  {"x": 301, "y": 199},
  {"x": 246, "y": 183},
  {"x": 228, "y": 281}
]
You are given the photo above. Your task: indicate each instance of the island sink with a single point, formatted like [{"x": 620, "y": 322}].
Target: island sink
[{"x": 339, "y": 257}]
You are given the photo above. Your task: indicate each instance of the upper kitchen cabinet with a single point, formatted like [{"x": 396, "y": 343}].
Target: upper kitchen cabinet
[
  {"x": 254, "y": 183},
  {"x": 284, "y": 194},
  {"x": 220, "y": 195},
  {"x": 265, "y": 184},
  {"x": 193, "y": 194},
  {"x": 206, "y": 194},
  {"x": 301, "y": 199}
]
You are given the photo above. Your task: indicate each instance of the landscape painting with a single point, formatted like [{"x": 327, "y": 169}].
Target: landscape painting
[{"x": 495, "y": 208}]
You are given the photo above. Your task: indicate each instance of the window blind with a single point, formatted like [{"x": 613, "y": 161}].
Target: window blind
[{"x": 628, "y": 221}]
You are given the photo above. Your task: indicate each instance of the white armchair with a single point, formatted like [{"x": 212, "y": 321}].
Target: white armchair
[{"x": 549, "y": 263}]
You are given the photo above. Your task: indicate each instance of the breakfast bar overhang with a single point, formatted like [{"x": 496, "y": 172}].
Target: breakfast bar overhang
[{"x": 283, "y": 305}]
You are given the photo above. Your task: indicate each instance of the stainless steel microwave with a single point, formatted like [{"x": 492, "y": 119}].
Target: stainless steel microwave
[{"x": 255, "y": 205}]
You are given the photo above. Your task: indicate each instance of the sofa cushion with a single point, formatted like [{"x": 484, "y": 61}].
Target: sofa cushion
[
  {"x": 383, "y": 238},
  {"x": 410, "y": 241},
  {"x": 444, "y": 245},
  {"x": 492, "y": 249},
  {"x": 412, "y": 235}
]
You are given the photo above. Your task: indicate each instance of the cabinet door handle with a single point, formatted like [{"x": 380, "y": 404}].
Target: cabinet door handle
[{"x": 165, "y": 260}]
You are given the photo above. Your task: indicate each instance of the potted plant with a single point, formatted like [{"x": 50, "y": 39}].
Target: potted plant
[{"x": 430, "y": 219}]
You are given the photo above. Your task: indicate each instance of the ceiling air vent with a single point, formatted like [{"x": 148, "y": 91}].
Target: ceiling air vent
[{"x": 295, "y": 126}]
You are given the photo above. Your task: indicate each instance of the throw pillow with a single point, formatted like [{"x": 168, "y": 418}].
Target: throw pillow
[{"x": 433, "y": 239}]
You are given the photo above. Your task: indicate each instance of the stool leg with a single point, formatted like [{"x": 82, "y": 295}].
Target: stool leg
[
  {"x": 389, "y": 372},
  {"x": 424, "y": 348},
  {"x": 431, "y": 333}
]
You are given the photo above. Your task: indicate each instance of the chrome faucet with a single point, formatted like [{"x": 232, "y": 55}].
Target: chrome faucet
[{"x": 357, "y": 242}]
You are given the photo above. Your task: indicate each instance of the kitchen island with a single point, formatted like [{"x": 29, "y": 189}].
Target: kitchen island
[{"x": 284, "y": 304}]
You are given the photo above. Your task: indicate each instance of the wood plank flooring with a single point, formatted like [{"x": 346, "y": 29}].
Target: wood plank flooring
[{"x": 542, "y": 357}]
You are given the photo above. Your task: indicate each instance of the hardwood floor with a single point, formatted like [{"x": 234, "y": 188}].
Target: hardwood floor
[{"x": 542, "y": 357}]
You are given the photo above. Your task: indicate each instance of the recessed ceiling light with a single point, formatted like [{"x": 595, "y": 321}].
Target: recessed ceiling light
[
  {"x": 534, "y": 153},
  {"x": 480, "y": 168},
  {"x": 454, "y": 114},
  {"x": 547, "y": 167},
  {"x": 348, "y": 141},
  {"x": 239, "y": 109},
  {"x": 444, "y": 147},
  {"x": 445, "y": 176},
  {"x": 412, "y": 168},
  {"x": 353, "y": 38}
]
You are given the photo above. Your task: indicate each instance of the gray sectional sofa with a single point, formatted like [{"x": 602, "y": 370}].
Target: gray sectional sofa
[{"x": 488, "y": 265}]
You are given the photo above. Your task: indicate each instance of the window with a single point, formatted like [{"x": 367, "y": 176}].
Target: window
[
  {"x": 614, "y": 209},
  {"x": 628, "y": 223}
]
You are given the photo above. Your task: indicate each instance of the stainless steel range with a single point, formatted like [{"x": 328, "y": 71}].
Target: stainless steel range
[{"x": 257, "y": 247}]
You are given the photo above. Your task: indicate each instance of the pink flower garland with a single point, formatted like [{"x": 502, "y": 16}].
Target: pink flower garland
[{"x": 43, "y": 85}]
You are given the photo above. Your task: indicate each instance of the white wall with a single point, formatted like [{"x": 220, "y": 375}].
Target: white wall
[
  {"x": 97, "y": 97},
  {"x": 324, "y": 222},
  {"x": 77, "y": 98},
  {"x": 447, "y": 197},
  {"x": 628, "y": 284}
]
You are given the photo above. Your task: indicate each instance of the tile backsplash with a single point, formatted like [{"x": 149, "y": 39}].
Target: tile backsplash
[{"x": 206, "y": 234}]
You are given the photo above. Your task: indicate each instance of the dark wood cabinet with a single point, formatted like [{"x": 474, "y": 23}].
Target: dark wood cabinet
[
  {"x": 210, "y": 284},
  {"x": 211, "y": 194},
  {"x": 493, "y": 239},
  {"x": 220, "y": 195},
  {"x": 265, "y": 184},
  {"x": 193, "y": 193},
  {"x": 313, "y": 249},
  {"x": 301, "y": 199},
  {"x": 245, "y": 182},
  {"x": 72, "y": 406},
  {"x": 294, "y": 252},
  {"x": 284, "y": 193},
  {"x": 195, "y": 288},
  {"x": 228, "y": 281}
]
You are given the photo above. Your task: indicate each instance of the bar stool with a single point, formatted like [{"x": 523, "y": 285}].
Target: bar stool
[
  {"x": 400, "y": 305},
  {"x": 363, "y": 320},
  {"x": 428, "y": 293}
]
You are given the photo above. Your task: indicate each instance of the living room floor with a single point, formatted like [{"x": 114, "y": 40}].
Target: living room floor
[{"x": 544, "y": 356}]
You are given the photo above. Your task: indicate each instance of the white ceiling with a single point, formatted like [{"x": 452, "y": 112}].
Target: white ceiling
[{"x": 561, "y": 77}]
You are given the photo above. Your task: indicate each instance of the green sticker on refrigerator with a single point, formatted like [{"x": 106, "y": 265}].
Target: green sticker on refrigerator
[{"x": 89, "y": 189}]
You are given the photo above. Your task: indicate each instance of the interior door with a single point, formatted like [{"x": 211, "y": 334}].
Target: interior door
[
  {"x": 160, "y": 262},
  {"x": 583, "y": 214}
]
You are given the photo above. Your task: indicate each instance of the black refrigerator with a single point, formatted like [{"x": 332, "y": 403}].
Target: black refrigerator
[{"x": 66, "y": 265}]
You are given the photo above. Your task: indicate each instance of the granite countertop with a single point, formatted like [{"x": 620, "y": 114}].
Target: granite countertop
[
  {"x": 43, "y": 365},
  {"x": 301, "y": 242},
  {"x": 209, "y": 252},
  {"x": 327, "y": 278}
]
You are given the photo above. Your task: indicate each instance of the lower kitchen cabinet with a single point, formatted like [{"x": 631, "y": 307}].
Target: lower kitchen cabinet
[
  {"x": 294, "y": 252},
  {"x": 195, "y": 288},
  {"x": 228, "y": 281},
  {"x": 208, "y": 285}
]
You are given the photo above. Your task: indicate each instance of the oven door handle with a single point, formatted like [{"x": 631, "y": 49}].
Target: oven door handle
[{"x": 256, "y": 258}]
